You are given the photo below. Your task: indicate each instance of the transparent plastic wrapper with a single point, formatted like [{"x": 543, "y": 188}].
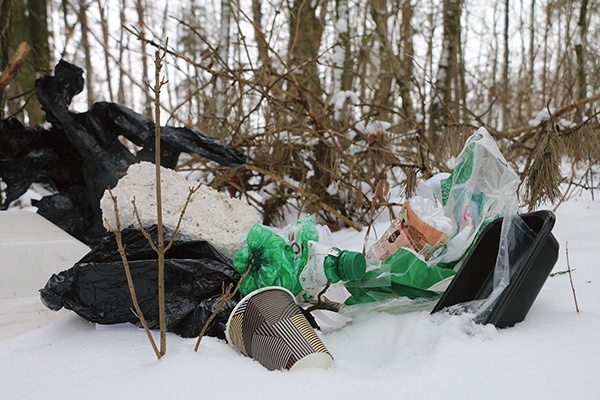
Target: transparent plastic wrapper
[
  {"x": 297, "y": 235},
  {"x": 422, "y": 226},
  {"x": 481, "y": 188}
]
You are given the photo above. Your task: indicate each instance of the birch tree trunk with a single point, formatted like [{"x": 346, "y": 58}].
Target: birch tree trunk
[
  {"x": 342, "y": 57},
  {"x": 445, "y": 106}
]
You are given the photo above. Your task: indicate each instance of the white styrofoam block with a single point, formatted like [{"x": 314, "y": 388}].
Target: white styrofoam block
[{"x": 31, "y": 250}]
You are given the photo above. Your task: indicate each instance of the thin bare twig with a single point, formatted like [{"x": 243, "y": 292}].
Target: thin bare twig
[
  {"x": 138, "y": 311},
  {"x": 325, "y": 304},
  {"x": 571, "y": 276},
  {"x": 141, "y": 226},
  {"x": 159, "y": 57},
  {"x": 226, "y": 295},
  {"x": 181, "y": 214}
]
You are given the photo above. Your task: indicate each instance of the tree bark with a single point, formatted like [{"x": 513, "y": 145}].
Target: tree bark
[
  {"x": 140, "y": 7},
  {"x": 342, "y": 57},
  {"x": 395, "y": 65},
  {"x": 5, "y": 33},
  {"x": 89, "y": 71},
  {"x": 38, "y": 33},
  {"x": 22, "y": 90},
  {"x": 445, "y": 104},
  {"x": 263, "y": 52},
  {"x": 505, "y": 116},
  {"x": 105, "y": 47},
  {"x": 306, "y": 31},
  {"x": 407, "y": 37},
  {"x": 121, "y": 88},
  {"x": 580, "y": 51},
  {"x": 223, "y": 53}
]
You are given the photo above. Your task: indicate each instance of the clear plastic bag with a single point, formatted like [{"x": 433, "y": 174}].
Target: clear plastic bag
[{"x": 481, "y": 188}]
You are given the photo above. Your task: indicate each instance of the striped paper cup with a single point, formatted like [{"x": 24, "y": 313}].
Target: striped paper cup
[{"x": 269, "y": 326}]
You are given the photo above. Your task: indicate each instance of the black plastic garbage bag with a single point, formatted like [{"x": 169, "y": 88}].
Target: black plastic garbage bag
[
  {"x": 81, "y": 155},
  {"x": 96, "y": 287}
]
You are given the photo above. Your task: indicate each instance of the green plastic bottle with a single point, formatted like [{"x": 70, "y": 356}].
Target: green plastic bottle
[{"x": 329, "y": 263}]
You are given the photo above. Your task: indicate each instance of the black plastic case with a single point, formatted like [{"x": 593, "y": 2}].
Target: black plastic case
[{"x": 534, "y": 262}]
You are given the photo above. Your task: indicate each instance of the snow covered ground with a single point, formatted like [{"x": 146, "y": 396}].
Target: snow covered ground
[{"x": 553, "y": 354}]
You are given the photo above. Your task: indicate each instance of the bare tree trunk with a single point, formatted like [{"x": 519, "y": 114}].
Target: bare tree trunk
[
  {"x": 382, "y": 101},
  {"x": 223, "y": 53},
  {"x": 407, "y": 37},
  {"x": 140, "y": 7},
  {"x": 445, "y": 105},
  {"x": 580, "y": 51},
  {"x": 263, "y": 52},
  {"x": 306, "y": 31},
  {"x": 121, "y": 89},
  {"x": 342, "y": 58},
  {"x": 38, "y": 32},
  {"x": 532, "y": 52},
  {"x": 546, "y": 53},
  {"x": 89, "y": 81},
  {"x": 5, "y": 34},
  {"x": 505, "y": 115},
  {"x": 105, "y": 47},
  {"x": 395, "y": 65},
  {"x": 22, "y": 89}
]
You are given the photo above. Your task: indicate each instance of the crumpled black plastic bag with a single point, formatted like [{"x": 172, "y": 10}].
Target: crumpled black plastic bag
[
  {"x": 96, "y": 286},
  {"x": 81, "y": 155}
]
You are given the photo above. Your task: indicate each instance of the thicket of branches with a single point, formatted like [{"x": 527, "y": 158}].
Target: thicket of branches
[{"x": 334, "y": 102}]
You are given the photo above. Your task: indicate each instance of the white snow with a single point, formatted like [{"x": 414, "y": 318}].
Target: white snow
[
  {"x": 343, "y": 100},
  {"x": 373, "y": 127},
  {"x": 541, "y": 116},
  {"x": 553, "y": 354}
]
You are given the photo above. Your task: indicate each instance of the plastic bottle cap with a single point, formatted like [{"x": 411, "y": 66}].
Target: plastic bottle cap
[{"x": 352, "y": 266}]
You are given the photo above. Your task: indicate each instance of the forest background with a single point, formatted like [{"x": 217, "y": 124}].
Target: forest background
[{"x": 335, "y": 102}]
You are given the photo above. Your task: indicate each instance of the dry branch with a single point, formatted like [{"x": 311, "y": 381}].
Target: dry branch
[
  {"x": 571, "y": 277},
  {"x": 226, "y": 295},
  {"x": 119, "y": 239},
  {"x": 14, "y": 65}
]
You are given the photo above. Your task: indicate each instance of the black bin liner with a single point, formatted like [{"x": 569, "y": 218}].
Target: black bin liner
[
  {"x": 96, "y": 286},
  {"x": 81, "y": 155}
]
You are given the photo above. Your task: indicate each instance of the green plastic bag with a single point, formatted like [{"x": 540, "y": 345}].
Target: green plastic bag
[
  {"x": 277, "y": 258},
  {"x": 271, "y": 260}
]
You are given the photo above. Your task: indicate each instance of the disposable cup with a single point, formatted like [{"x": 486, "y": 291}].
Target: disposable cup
[{"x": 268, "y": 326}]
